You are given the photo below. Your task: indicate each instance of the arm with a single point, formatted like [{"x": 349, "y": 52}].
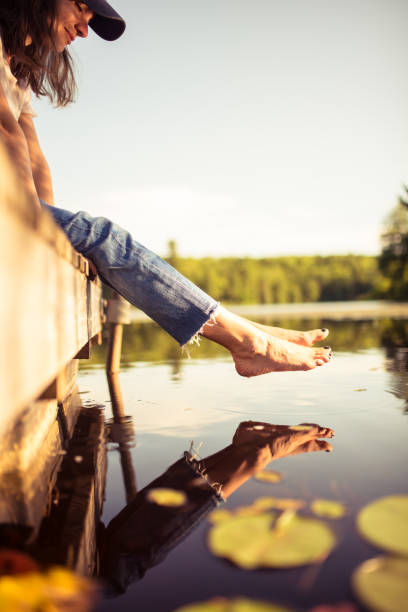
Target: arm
[
  {"x": 16, "y": 146},
  {"x": 40, "y": 169}
]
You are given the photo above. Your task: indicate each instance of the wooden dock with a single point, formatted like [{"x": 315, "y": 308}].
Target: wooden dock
[{"x": 50, "y": 313}]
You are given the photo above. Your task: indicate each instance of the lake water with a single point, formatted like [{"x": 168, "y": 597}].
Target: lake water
[{"x": 362, "y": 394}]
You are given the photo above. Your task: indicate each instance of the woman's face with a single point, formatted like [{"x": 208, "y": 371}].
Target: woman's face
[{"x": 72, "y": 20}]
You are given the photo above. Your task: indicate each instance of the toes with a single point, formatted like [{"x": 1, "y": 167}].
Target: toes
[
  {"x": 324, "y": 332},
  {"x": 317, "y": 335},
  {"x": 313, "y": 446},
  {"x": 323, "y": 355},
  {"x": 320, "y": 431}
]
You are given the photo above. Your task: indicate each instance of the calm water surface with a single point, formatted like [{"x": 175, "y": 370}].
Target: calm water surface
[{"x": 362, "y": 395}]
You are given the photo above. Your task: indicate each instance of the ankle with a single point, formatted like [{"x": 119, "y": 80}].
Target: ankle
[{"x": 236, "y": 334}]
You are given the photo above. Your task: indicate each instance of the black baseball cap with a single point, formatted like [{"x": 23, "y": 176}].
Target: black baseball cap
[{"x": 106, "y": 22}]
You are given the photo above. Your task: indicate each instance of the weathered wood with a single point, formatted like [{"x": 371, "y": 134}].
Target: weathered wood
[
  {"x": 114, "y": 349},
  {"x": 31, "y": 454},
  {"x": 50, "y": 309},
  {"x": 68, "y": 536},
  {"x": 63, "y": 384}
]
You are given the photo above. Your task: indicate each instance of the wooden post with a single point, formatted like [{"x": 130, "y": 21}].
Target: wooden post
[
  {"x": 122, "y": 433},
  {"x": 117, "y": 316}
]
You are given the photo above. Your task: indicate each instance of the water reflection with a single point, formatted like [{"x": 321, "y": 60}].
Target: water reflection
[
  {"x": 121, "y": 433},
  {"x": 147, "y": 342},
  {"x": 145, "y": 531},
  {"x": 141, "y": 535},
  {"x": 394, "y": 339}
]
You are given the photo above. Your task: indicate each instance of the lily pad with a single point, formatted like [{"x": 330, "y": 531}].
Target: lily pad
[
  {"x": 279, "y": 503},
  {"x": 384, "y": 523},
  {"x": 261, "y": 541},
  {"x": 219, "y": 515},
  {"x": 328, "y": 508},
  {"x": 381, "y": 584},
  {"x": 268, "y": 476},
  {"x": 237, "y": 604},
  {"x": 167, "y": 497}
]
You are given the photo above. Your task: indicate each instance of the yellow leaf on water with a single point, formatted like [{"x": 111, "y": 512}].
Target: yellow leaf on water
[
  {"x": 268, "y": 476},
  {"x": 52, "y": 591},
  {"x": 280, "y": 503},
  {"x": 248, "y": 511},
  {"x": 328, "y": 508},
  {"x": 236, "y": 604},
  {"x": 216, "y": 516},
  {"x": 167, "y": 497},
  {"x": 381, "y": 584},
  {"x": 384, "y": 523}
]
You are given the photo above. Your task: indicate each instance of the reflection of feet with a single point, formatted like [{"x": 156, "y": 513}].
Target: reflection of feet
[
  {"x": 307, "y": 338},
  {"x": 283, "y": 440},
  {"x": 265, "y": 353}
]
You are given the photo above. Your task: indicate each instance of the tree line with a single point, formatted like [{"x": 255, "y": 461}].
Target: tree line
[{"x": 280, "y": 280}]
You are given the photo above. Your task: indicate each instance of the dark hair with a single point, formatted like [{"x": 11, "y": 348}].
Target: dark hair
[{"x": 38, "y": 64}]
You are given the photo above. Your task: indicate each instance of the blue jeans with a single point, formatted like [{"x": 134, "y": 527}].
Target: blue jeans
[{"x": 141, "y": 277}]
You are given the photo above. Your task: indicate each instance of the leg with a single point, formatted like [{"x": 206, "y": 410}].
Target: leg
[
  {"x": 140, "y": 276},
  {"x": 176, "y": 304}
]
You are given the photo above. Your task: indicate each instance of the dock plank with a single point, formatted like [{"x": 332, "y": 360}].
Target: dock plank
[{"x": 51, "y": 308}]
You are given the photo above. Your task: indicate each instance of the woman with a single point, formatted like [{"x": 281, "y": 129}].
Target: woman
[{"x": 35, "y": 35}]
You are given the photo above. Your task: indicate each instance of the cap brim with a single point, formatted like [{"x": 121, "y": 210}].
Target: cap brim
[
  {"x": 106, "y": 22},
  {"x": 107, "y": 28}
]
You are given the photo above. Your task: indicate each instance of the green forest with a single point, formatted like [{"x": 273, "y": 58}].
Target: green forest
[
  {"x": 283, "y": 279},
  {"x": 317, "y": 278}
]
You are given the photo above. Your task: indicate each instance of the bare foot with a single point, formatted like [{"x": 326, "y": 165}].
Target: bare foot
[
  {"x": 256, "y": 352},
  {"x": 307, "y": 338},
  {"x": 269, "y": 354}
]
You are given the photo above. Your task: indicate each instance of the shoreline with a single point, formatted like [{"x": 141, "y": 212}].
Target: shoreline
[{"x": 333, "y": 311}]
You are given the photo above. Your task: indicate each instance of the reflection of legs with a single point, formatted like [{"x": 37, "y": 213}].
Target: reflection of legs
[
  {"x": 176, "y": 304},
  {"x": 255, "y": 445}
]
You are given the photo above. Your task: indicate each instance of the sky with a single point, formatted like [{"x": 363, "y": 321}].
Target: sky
[{"x": 239, "y": 127}]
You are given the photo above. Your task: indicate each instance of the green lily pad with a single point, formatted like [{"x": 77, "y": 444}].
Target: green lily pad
[
  {"x": 381, "y": 584},
  {"x": 237, "y": 604},
  {"x": 268, "y": 476},
  {"x": 261, "y": 541},
  {"x": 384, "y": 523},
  {"x": 327, "y": 508},
  {"x": 167, "y": 497}
]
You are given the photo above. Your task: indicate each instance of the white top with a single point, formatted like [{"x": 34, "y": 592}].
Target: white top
[{"x": 18, "y": 96}]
